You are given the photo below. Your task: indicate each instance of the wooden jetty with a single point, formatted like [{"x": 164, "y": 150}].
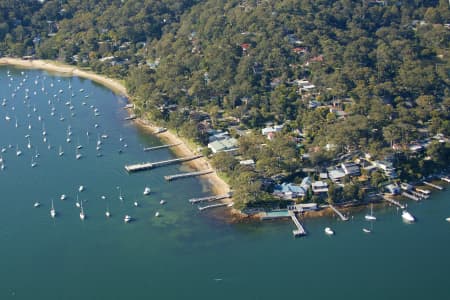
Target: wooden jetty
[
  {"x": 151, "y": 165},
  {"x": 185, "y": 175},
  {"x": 200, "y": 208},
  {"x": 393, "y": 201},
  {"x": 343, "y": 218},
  {"x": 446, "y": 179},
  {"x": 411, "y": 196},
  {"x": 209, "y": 198},
  {"x": 161, "y": 147},
  {"x": 438, "y": 187},
  {"x": 300, "y": 231}
]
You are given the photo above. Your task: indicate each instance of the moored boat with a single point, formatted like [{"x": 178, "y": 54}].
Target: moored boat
[
  {"x": 408, "y": 217},
  {"x": 328, "y": 231}
]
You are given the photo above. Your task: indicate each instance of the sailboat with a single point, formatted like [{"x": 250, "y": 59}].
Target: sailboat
[
  {"x": 61, "y": 152},
  {"x": 82, "y": 215},
  {"x": 370, "y": 217},
  {"x": 77, "y": 204},
  {"x": 120, "y": 193},
  {"x": 18, "y": 152},
  {"x": 52, "y": 211},
  {"x": 29, "y": 144},
  {"x": 33, "y": 163},
  {"x": 77, "y": 155}
]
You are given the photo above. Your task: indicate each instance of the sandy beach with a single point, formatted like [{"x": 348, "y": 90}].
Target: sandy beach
[{"x": 217, "y": 185}]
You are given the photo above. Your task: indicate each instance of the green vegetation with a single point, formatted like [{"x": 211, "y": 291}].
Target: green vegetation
[{"x": 344, "y": 77}]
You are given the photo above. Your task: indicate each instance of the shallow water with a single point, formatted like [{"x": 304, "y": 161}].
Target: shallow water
[{"x": 184, "y": 253}]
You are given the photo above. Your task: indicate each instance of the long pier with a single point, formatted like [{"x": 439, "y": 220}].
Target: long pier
[
  {"x": 393, "y": 201},
  {"x": 151, "y": 165},
  {"x": 433, "y": 185},
  {"x": 185, "y": 175},
  {"x": 411, "y": 196},
  {"x": 300, "y": 231},
  {"x": 209, "y": 198},
  {"x": 161, "y": 147},
  {"x": 343, "y": 218},
  {"x": 200, "y": 208}
]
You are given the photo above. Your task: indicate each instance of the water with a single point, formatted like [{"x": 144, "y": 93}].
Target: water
[{"x": 183, "y": 253}]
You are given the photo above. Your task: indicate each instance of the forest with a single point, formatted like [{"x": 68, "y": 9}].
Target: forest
[{"x": 343, "y": 77}]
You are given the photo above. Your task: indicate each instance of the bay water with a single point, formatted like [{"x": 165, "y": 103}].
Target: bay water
[{"x": 184, "y": 253}]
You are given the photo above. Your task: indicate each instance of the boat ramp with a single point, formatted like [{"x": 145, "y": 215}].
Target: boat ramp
[
  {"x": 411, "y": 196},
  {"x": 438, "y": 187},
  {"x": 343, "y": 218},
  {"x": 185, "y": 175},
  {"x": 392, "y": 201},
  {"x": 446, "y": 179},
  {"x": 161, "y": 147},
  {"x": 151, "y": 165},
  {"x": 200, "y": 208},
  {"x": 209, "y": 198}
]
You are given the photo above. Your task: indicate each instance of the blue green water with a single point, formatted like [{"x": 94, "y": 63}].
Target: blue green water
[{"x": 184, "y": 254}]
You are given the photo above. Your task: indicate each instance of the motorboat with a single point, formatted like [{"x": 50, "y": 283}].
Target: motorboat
[
  {"x": 127, "y": 219},
  {"x": 81, "y": 188},
  {"x": 107, "y": 214},
  {"x": 63, "y": 197},
  {"x": 447, "y": 219},
  {"x": 157, "y": 214},
  {"x": 366, "y": 230},
  {"x": 36, "y": 204},
  {"x": 328, "y": 231},
  {"x": 162, "y": 202},
  {"x": 146, "y": 190},
  {"x": 408, "y": 217}
]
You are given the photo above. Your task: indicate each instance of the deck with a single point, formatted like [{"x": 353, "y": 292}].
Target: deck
[
  {"x": 151, "y": 165},
  {"x": 185, "y": 175}
]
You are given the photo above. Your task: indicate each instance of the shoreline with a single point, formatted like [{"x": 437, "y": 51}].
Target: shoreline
[{"x": 214, "y": 182}]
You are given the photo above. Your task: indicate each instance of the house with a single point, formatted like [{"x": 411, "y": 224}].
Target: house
[
  {"x": 393, "y": 189},
  {"x": 319, "y": 187},
  {"x": 225, "y": 145},
  {"x": 336, "y": 175},
  {"x": 271, "y": 129},
  {"x": 248, "y": 162},
  {"x": 289, "y": 191},
  {"x": 351, "y": 169},
  {"x": 218, "y": 136},
  {"x": 386, "y": 167}
]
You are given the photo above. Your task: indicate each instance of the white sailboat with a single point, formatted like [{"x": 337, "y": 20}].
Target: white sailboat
[
  {"x": 33, "y": 163},
  {"x": 18, "y": 151},
  {"x": 77, "y": 204},
  {"x": 370, "y": 217},
  {"x": 78, "y": 155},
  {"x": 120, "y": 193},
  {"x": 81, "y": 188},
  {"x": 29, "y": 144},
  {"x": 61, "y": 152},
  {"x": 63, "y": 197},
  {"x": 52, "y": 211},
  {"x": 82, "y": 215}
]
